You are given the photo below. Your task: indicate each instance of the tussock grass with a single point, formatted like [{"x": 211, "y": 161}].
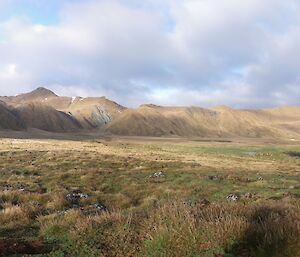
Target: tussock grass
[
  {"x": 150, "y": 216},
  {"x": 177, "y": 229}
]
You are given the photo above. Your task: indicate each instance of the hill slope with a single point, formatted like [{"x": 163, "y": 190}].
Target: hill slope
[
  {"x": 43, "y": 109},
  {"x": 150, "y": 120},
  {"x": 9, "y": 118},
  {"x": 37, "y": 115}
]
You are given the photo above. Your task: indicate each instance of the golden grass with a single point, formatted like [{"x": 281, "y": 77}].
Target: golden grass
[{"x": 149, "y": 216}]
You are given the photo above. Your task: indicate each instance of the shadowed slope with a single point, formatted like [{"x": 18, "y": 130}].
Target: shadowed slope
[
  {"x": 37, "y": 115},
  {"x": 9, "y": 119},
  {"x": 45, "y": 110},
  {"x": 71, "y": 112}
]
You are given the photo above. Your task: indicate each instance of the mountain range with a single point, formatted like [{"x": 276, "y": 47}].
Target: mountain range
[{"x": 44, "y": 110}]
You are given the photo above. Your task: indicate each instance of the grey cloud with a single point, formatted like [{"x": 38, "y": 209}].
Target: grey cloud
[{"x": 208, "y": 52}]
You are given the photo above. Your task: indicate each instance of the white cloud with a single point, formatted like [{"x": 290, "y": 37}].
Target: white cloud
[{"x": 204, "y": 52}]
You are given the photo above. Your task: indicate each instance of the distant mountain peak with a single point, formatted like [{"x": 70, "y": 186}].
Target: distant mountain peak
[
  {"x": 43, "y": 92},
  {"x": 150, "y": 105},
  {"x": 222, "y": 108}
]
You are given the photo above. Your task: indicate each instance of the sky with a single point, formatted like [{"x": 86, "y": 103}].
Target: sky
[{"x": 241, "y": 53}]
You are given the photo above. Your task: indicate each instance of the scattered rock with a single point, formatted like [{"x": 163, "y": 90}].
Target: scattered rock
[
  {"x": 232, "y": 197},
  {"x": 7, "y": 188},
  {"x": 21, "y": 187},
  {"x": 215, "y": 178},
  {"x": 248, "y": 195},
  {"x": 158, "y": 174},
  {"x": 100, "y": 206},
  {"x": 260, "y": 178},
  {"x": 18, "y": 187},
  {"x": 74, "y": 198},
  {"x": 74, "y": 201},
  {"x": 94, "y": 209}
]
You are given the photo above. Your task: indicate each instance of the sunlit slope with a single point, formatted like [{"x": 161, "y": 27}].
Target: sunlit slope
[
  {"x": 45, "y": 110},
  {"x": 150, "y": 120}
]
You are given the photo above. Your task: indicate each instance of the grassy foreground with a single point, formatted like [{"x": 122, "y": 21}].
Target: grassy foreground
[{"x": 148, "y": 198}]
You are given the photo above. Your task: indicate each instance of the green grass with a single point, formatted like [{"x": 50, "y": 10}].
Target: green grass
[{"x": 142, "y": 220}]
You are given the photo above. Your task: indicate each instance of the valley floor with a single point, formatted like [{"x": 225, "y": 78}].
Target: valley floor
[{"x": 149, "y": 197}]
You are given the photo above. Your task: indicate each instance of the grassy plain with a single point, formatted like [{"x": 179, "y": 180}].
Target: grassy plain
[{"x": 183, "y": 211}]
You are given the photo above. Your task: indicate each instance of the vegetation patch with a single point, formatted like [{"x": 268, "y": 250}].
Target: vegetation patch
[{"x": 127, "y": 198}]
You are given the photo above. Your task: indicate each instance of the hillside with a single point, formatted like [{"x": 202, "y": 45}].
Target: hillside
[
  {"x": 38, "y": 95},
  {"x": 37, "y": 115},
  {"x": 151, "y": 120},
  {"x": 9, "y": 118},
  {"x": 45, "y": 110},
  {"x": 93, "y": 112}
]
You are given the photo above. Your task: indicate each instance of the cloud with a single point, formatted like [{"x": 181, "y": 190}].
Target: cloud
[{"x": 205, "y": 52}]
